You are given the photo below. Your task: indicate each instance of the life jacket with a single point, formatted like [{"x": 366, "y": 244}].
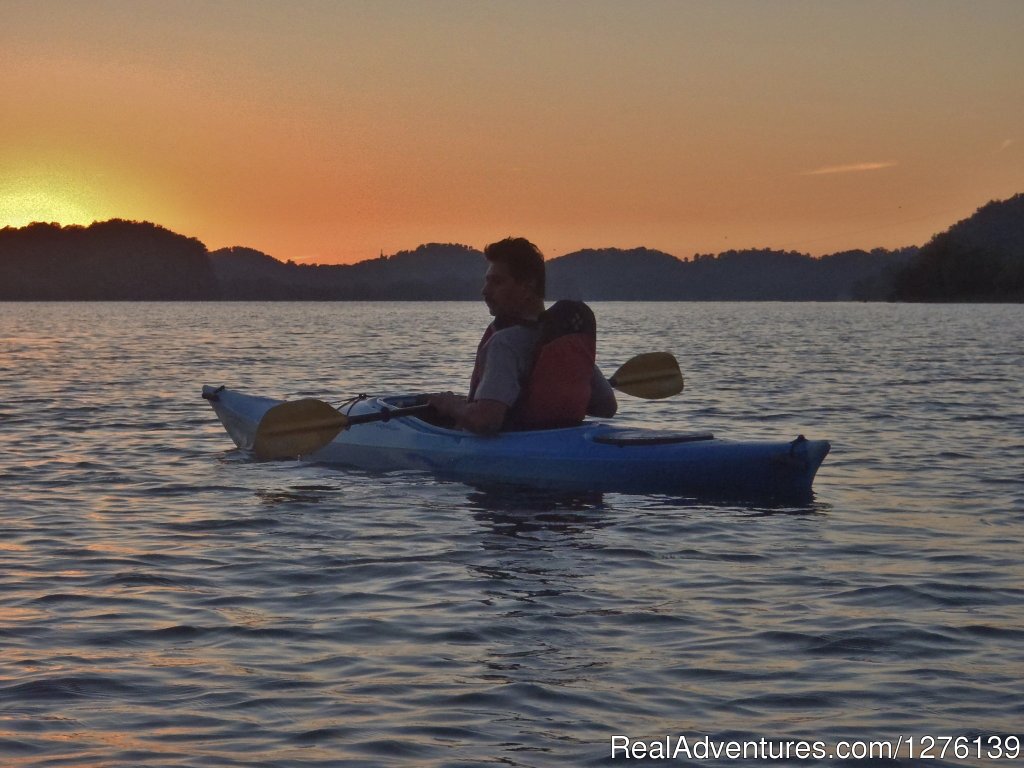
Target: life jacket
[{"x": 557, "y": 391}]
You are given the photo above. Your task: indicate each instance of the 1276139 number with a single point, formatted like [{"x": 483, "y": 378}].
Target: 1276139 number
[{"x": 964, "y": 747}]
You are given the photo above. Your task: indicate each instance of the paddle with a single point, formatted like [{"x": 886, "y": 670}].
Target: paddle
[
  {"x": 300, "y": 427},
  {"x": 650, "y": 376}
]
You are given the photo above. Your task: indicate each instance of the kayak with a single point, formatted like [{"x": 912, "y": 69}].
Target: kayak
[{"x": 594, "y": 456}]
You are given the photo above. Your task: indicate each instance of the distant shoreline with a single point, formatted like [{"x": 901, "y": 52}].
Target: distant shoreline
[
  {"x": 979, "y": 260},
  {"x": 947, "y": 302}
]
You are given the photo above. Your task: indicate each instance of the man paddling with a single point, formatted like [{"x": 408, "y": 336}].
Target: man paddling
[{"x": 507, "y": 388}]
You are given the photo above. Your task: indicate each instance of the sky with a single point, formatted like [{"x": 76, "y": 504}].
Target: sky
[{"x": 333, "y": 131}]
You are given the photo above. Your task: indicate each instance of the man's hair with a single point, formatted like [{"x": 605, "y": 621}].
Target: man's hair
[{"x": 523, "y": 259}]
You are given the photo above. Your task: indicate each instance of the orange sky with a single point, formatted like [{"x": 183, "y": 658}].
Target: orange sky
[{"x": 331, "y": 131}]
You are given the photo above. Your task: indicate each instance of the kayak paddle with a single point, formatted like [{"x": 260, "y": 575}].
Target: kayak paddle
[
  {"x": 650, "y": 376},
  {"x": 300, "y": 427}
]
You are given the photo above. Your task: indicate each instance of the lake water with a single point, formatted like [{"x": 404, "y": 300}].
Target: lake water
[{"x": 166, "y": 602}]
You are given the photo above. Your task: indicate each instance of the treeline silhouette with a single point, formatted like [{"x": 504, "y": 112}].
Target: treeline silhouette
[
  {"x": 110, "y": 260},
  {"x": 979, "y": 259},
  {"x": 454, "y": 272},
  {"x": 751, "y": 275},
  {"x": 432, "y": 272}
]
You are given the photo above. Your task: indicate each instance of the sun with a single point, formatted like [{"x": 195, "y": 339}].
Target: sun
[{"x": 23, "y": 207}]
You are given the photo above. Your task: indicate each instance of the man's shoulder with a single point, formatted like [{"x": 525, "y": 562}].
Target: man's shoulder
[
  {"x": 517, "y": 336},
  {"x": 516, "y": 343}
]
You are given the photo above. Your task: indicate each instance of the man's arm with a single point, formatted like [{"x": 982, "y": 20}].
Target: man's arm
[
  {"x": 509, "y": 355},
  {"x": 484, "y": 417}
]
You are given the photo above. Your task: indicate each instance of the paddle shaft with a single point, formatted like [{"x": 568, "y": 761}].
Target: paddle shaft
[
  {"x": 339, "y": 421},
  {"x": 386, "y": 415}
]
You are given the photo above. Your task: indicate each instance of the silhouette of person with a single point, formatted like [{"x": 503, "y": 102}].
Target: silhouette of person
[{"x": 513, "y": 290}]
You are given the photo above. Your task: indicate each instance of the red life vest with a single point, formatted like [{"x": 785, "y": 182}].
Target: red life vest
[{"x": 558, "y": 390}]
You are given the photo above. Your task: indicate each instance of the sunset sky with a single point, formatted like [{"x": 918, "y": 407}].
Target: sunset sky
[{"x": 332, "y": 131}]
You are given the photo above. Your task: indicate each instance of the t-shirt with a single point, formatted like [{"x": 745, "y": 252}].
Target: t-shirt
[{"x": 507, "y": 358}]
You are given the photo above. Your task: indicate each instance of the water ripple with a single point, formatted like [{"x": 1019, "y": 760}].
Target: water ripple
[{"x": 167, "y": 602}]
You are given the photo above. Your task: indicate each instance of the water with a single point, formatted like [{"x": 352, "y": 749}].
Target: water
[{"x": 166, "y": 602}]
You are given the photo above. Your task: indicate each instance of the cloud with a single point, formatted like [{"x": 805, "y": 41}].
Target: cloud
[
  {"x": 1007, "y": 143},
  {"x": 852, "y": 168}
]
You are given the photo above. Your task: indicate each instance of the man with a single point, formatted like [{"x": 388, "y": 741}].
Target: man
[{"x": 513, "y": 290}]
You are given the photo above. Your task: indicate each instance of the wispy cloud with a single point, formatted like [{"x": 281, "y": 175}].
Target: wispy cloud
[
  {"x": 1006, "y": 145},
  {"x": 851, "y": 168}
]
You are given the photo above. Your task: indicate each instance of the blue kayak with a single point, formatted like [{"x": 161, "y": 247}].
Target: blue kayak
[{"x": 595, "y": 456}]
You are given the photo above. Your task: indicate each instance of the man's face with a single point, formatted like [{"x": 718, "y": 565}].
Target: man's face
[{"x": 503, "y": 294}]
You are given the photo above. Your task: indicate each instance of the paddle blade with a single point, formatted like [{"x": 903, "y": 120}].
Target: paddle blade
[
  {"x": 650, "y": 376},
  {"x": 297, "y": 428}
]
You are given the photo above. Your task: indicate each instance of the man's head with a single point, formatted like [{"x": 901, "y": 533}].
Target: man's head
[{"x": 515, "y": 281}]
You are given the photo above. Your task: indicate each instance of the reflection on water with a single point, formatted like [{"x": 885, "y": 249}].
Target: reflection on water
[
  {"x": 512, "y": 498},
  {"x": 167, "y": 602}
]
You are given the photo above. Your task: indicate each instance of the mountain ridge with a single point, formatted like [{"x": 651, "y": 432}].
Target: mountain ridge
[{"x": 980, "y": 258}]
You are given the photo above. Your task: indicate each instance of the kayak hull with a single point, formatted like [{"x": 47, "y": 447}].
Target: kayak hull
[{"x": 594, "y": 456}]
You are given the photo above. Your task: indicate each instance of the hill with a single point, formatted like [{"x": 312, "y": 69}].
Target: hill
[
  {"x": 614, "y": 274},
  {"x": 454, "y": 272},
  {"x": 978, "y": 259},
  {"x": 752, "y": 275},
  {"x": 110, "y": 260},
  {"x": 433, "y": 271}
]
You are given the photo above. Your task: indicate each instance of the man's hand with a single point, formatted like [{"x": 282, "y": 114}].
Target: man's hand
[
  {"x": 484, "y": 417},
  {"x": 448, "y": 404}
]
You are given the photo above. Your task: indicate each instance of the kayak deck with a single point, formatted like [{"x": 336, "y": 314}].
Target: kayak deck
[{"x": 594, "y": 456}]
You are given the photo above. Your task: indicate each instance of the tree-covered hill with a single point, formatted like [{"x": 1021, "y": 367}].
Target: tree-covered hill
[
  {"x": 110, "y": 260},
  {"x": 978, "y": 259},
  {"x": 434, "y": 271},
  {"x": 753, "y": 275}
]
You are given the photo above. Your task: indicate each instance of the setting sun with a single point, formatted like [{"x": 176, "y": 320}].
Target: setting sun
[{"x": 17, "y": 209}]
